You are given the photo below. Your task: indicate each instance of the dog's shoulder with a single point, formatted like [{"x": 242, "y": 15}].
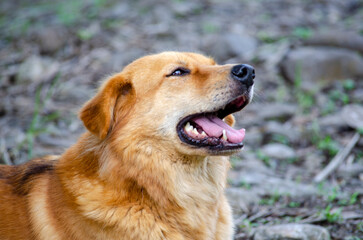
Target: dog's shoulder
[{"x": 20, "y": 176}]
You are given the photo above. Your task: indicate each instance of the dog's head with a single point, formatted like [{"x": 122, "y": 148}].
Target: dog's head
[{"x": 181, "y": 101}]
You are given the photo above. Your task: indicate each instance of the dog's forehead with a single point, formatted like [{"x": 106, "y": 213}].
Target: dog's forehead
[
  {"x": 186, "y": 58},
  {"x": 166, "y": 58}
]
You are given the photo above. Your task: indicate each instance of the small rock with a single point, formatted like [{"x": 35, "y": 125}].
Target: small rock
[
  {"x": 257, "y": 113},
  {"x": 349, "y": 171},
  {"x": 353, "y": 115},
  {"x": 357, "y": 95},
  {"x": 278, "y": 151},
  {"x": 292, "y": 133},
  {"x": 231, "y": 45},
  {"x": 321, "y": 63},
  {"x": 243, "y": 46},
  {"x": 264, "y": 183},
  {"x": 36, "y": 69},
  {"x": 348, "y": 40},
  {"x": 253, "y": 137},
  {"x": 183, "y": 9},
  {"x": 291, "y": 231},
  {"x": 333, "y": 122},
  {"x": 51, "y": 39},
  {"x": 271, "y": 54},
  {"x": 240, "y": 199},
  {"x": 72, "y": 92},
  {"x": 313, "y": 162}
]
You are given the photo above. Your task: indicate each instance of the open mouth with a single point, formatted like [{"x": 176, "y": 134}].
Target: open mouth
[{"x": 209, "y": 130}]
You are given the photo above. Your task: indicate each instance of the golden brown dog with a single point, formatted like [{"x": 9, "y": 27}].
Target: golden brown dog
[{"x": 151, "y": 166}]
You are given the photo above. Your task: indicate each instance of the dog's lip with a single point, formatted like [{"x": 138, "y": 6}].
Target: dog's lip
[{"x": 214, "y": 143}]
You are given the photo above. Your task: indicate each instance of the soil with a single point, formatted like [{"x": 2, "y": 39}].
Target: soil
[{"x": 53, "y": 55}]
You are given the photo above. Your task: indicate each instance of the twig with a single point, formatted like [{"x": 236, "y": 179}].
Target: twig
[
  {"x": 334, "y": 163},
  {"x": 240, "y": 220},
  {"x": 260, "y": 214},
  {"x": 5, "y": 152}
]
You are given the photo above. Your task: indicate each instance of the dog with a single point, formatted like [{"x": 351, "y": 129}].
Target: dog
[{"x": 151, "y": 165}]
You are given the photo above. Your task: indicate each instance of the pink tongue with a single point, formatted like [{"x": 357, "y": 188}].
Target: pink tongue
[{"x": 214, "y": 126}]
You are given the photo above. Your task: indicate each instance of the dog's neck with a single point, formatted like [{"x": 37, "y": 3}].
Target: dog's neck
[{"x": 168, "y": 181}]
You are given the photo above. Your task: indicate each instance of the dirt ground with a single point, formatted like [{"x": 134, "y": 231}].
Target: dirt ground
[{"x": 307, "y": 111}]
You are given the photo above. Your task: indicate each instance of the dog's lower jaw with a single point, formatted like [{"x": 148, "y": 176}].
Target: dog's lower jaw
[{"x": 179, "y": 190}]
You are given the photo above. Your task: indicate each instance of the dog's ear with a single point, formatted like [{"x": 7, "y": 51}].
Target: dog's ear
[
  {"x": 98, "y": 113},
  {"x": 230, "y": 120}
]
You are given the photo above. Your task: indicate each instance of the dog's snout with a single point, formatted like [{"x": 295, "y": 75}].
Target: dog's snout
[{"x": 243, "y": 73}]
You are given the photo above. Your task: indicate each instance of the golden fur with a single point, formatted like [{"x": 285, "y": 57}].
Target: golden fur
[{"x": 129, "y": 176}]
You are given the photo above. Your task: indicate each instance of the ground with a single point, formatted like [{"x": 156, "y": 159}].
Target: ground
[{"x": 306, "y": 111}]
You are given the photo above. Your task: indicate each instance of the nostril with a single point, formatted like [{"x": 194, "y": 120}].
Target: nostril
[
  {"x": 240, "y": 71},
  {"x": 243, "y": 73}
]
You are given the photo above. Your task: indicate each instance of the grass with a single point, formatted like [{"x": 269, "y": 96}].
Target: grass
[
  {"x": 302, "y": 33},
  {"x": 328, "y": 145},
  {"x": 234, "y": 160},
  {"x": 85, "y": 34},
  {"x": 210, "y": 28},
  {"x": 264, "y": 158},
  {"x": 67, "y": 13},
  {"x": 332, "y": 216},
  {"x": 271, "y": 199},
  {"x": 351, "y": 201},
  {"x": 348, "y": 84},
  {"x": 266, "y": 37},
  {"x": 279, "y": 138},
  {"x": 293, "y": 204},
  {"x": 339, "y": 96},
  {"x": 39, "y": 120},
  {"x": 245, "y": 185},
  {"x": 304, "y": 98},
  {"x": 247, "y": 225}
]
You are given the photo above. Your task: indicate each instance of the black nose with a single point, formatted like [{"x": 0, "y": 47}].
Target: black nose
[{"x": 243, "y": 73}]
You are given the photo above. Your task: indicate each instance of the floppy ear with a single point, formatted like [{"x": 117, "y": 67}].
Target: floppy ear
[
  {"x": 97, "y": 114},
  {"x": 230, "y": 120}
]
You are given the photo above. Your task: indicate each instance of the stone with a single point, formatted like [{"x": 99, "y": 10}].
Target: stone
[
  {"x": 231, "y": 45},
  {"x": 265, "y": 183},
  {"x": 36, "y": 69},
  {"x": 334, "y": 121},
  {"x": 313, "y": 162},
  {"x": 292, "y": 133},
  {"x": 240, "y": 199},
  {"x": 357, "y": 95},
  {"x": 324, "y": 64},
  {"x": 51, "y": 39},
  {"x": 256, "y": 113},
  {"x": 278, "y": 151},
  {"x": 183, "y": 9},
  {"x": 69, "y": 91},
  {"x": 271, "y": 54},
  {"x": 349, "y": 171},
  {"x": 347, "y": 40},
  {"x": 243, "y": 46},
  {"x": 352, "y": 114},
  {"x": 253, "y": 137},
  {"x": 291, "y": 231}
]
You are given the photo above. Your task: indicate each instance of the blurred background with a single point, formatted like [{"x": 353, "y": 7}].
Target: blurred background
[{"x": 301, "y": 171}]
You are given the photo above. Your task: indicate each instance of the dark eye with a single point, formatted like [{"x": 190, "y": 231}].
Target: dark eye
[{"x": 179, "y": 72}]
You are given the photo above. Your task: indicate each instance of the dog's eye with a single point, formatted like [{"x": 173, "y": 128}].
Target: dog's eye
[{"x": 179, "y": 72}]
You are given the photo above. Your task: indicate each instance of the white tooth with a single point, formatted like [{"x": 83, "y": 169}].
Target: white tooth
[
  {"x": 225, "y": 135},
  {"x": 203, "y": 134},
  {"x": 195, "y": 131},
  {"x": 188, "y": 127}
]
